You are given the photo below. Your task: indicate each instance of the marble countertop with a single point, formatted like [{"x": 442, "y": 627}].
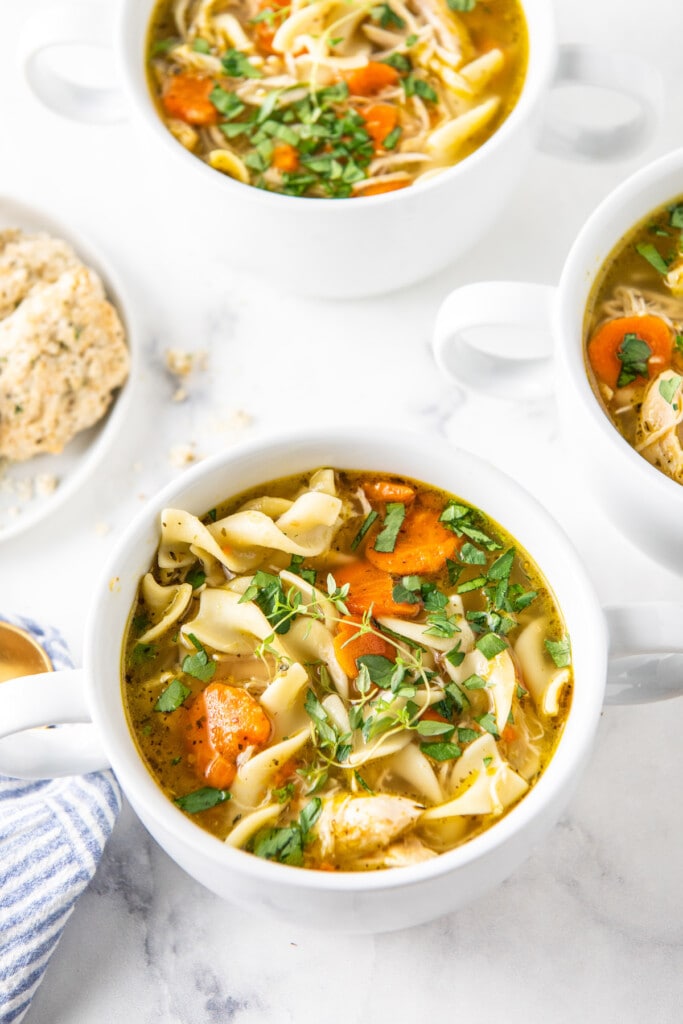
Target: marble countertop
[{"x": 591, "y": 927}]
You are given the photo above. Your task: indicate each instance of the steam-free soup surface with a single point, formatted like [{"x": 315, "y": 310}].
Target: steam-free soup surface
[
  {"x": 335, "y": 98},
  {"x": 634, "y": 338},
  {"x": 344, "y": 670}
]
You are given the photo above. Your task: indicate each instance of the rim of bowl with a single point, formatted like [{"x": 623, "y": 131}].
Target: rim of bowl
[
  {"x": 542, "y": 50},
  {"x": 110, "y": 425},
  {"x": 569, "y": 755},
  {"x": 579, "y": 274}
]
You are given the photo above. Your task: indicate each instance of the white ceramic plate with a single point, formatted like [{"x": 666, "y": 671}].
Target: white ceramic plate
[{"x": 73, "y": 466}]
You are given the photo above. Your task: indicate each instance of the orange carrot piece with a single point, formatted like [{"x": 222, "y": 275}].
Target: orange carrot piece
[
  {"x": 604, "y": 346},
  {"x": 285, "y": 157},
  {"x": 371, "y": 588},
  {"x": 350, "y": 644},
  {"x": 509, "y": 733},
  {"x": 222, "y": 721},
  {"x": 432, "y": 716},
  {"x": 380, "y": 187},
  {"x": 385, "y": 490},
  {"x": 380, "y": 120},
  {"x": 371, "y": 78},
  {"x": 422, "y": 545},
  {"x": 264, "y": 31},
  {"x": 187, "y": 98}
]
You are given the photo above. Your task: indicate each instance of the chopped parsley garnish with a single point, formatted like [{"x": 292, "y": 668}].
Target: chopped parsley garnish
[
  {"x": 490, "y": 645},
  {"x": 226, "y": 103},
  {"x": 296, "y": 566},
  {"x": 466, "y": 735},
  {"x": 474, "y": 682},
  {"x": 669, "y": 388},
  {"x": 634, "y": 354},
  {"x": 284, "y": 793},
  {"x": 559, "y": 651},
  {"x": 415, "y": 86},
  {"x": 676, "y": 216},
  {"x": 471, "y": 555},
  {"x": 441, "y": 751},
  {"x": 172, "y": 697},
  {"x": 162, "y": 46},
  {"x": 330, "y": 739},
  {"x": 455, "y": 656},
  {"x": 428, "y": 727},
  {"x": 648, "y": 251},
  {"x": 462, "y": 5},
  {"x": 142, "y": 653},
  {"x": 399, "y": 61},
  {"x": 411, "y": 39},
  {"x": 201, "y": 46},
  {"x": 286, "y": 844},
  {"x": 391, "y": 140},
  {"x": 199, "y": 665},
  {"x": 202, "y": 799},
  {"x": 237, "y": 65},
  {"x": 393, "y": 520},
  {"x": 196, "y": 578},
  {"x": 488, "y": 723},
  {"x": 386, "y": 17},
  {"x": 367, "y": 523},
  {"x": 267, "y": 592},
  {"x": 362, "y": 783}
]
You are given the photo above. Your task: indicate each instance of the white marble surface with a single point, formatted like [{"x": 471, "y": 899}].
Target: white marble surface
[{"x": 591, "y": 928}]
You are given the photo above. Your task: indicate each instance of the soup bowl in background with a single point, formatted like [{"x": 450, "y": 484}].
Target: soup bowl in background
[
  {"x": 330, "y": 247},
  {"x": 641, "y": 500},
  {"x": 643, "y": 664}
]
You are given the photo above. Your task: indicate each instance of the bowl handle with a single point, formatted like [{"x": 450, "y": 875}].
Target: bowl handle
[
  {"x": 627, "y": 74},
  {"x": 520, "y": 312},
  {"x": 47, "y": 699},
  {"x": 69, "y": 24},
  {"x": 646, "y": 653}
]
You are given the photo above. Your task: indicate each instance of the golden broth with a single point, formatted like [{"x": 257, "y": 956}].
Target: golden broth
[
  {"x": 349, "y": 99},
  {"x": 392, "y": 712}
]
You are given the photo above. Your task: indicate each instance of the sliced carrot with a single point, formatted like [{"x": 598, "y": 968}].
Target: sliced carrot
[
  {"x": 422, "y": 545},
  {"x": 604, "y": 346},
  {"x": 187, "y": 98},
  {"x": 380, "y": 187},
  {"x": 222, "y": 721},
  {"x": 285, "y": 157},
  {"x": 371, "y": 588},
  {"x": 350, "y": 644},
  {"x": 264, "y": 31},
  {"x": 371, "y": 78},
  {"x": 509, "y": 733},
  {"x": 380, "y": 120},
  {"x": 386, "y": 490},
  {"x": 433, "y": 716},
  {"x": 284, "y": 772}
]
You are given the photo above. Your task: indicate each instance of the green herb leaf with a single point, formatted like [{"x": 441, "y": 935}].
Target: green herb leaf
[
  {"x": 308, "y": 817},
  {"x": 172, "y": 697},
  {"x": 229, "y": 105},
  {"x": 441, "y": 625},
  {"x": 490, "y": 645},
  {"x": 676, "y": 216},
  {"x": 501, "y": 568},
  {"x": 201, "y": 46},
  {"x": 441, "y": 751},
  {"x": 427, "y": 727},
  {"x": 142, "y": 653},
  {"x": 369, "y": 520},
  {"x": 471, "y": 555},
  {"x": 379, "y": 668},
  {"x": 284, "y": 845},
  {"x": 669, "y": 388},
  {"x": 559, "y": 651},
  {"x": 455, "y": 656},
  {"x": 284, "y": 793},
  {"x": 267, "y": 592},
  {"x": 403, "y": 594},
  {"x": 475, "y": 584},
  {"x": 237, "y": 65},
  {"x": 474, "y": 682},
  {"x": 415, "y": 86},
  {"x": 411, "y": 39},
  {"x": 488, "y": 722},
  {"x": 196, "y": 578},
  {"x": 648, "y": 251},
  {"x": 462, "y": 5},
  {"x": 399, "y": 61},
  {"x": 434, "y": 599},
  {"x": 391, "y": 140},
  {"x": 199, "y": 665},
  {"x": 362, "y": 783},
  {"x": 466, "y": 735},
  {"x": 162, "y": 46},
  {"x": 393, "y": 520},
  {"x": 201, "y": 799},
  {"x": 386, "y": 17},
  {"x": 634, "y": 354},
  {"x": 295, "y": 566}
]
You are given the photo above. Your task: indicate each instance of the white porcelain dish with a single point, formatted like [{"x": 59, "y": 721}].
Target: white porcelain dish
[
  {"x": 330, "y": 247},
  {"x": 645, "y": 504},
  {"x": 76, "y": 463},
  {"x": 641, "y": 667}
]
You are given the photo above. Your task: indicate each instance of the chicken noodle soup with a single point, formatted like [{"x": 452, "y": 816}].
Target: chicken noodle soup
[
  {"x": 634, "y": 337},
  {"x": 335, "y": 97},
  {"x": 345, "y": 671}
]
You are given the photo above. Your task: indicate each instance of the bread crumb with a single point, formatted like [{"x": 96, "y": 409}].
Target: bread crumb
[
  {"x": 180, "y": 395},
  {"x": 46, "y": 484},
  {"x": 182, "y": 455},
  {"x": 181, "y": 363}
]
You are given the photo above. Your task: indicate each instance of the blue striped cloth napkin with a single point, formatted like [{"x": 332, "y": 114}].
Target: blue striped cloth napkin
[{"x": 52, "y": 834}]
